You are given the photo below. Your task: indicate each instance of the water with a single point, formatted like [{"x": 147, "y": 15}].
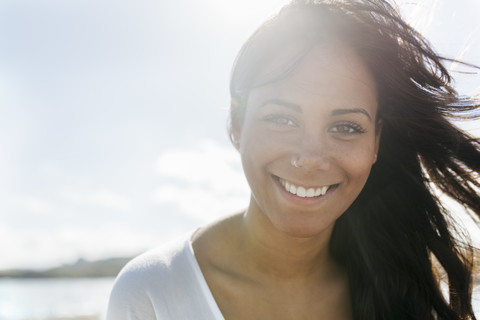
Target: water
[{"x": 22, "y": 299}]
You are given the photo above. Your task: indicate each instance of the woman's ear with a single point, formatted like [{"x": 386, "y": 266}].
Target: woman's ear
[
  {"x": 236, "y": 118},
  {"x": 235, "y": 138}
]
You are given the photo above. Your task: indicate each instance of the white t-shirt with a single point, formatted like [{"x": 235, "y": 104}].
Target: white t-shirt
[{"x": 163, "y": 284}]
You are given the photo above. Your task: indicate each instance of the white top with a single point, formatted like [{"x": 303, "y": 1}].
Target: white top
[{"x": 163, "y": 284}]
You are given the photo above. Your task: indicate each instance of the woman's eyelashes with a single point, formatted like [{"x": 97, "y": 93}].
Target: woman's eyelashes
[
  {"x": 341, "y": 128},
  {"x": 344, "y": 128},
  {"x": 280, "y": 120},
  {"x": 347, "y": 128}
]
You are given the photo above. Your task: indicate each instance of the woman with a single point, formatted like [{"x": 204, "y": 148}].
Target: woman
[{"x": 339, "y": 113}]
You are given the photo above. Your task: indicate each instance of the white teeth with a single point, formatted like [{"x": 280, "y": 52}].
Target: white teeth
[
  {"x": 302, "y": 191},
  {"x": 324, "y": 190},
  {"x": 310, "y": 193},
  {"x": 292, "y": 189}
]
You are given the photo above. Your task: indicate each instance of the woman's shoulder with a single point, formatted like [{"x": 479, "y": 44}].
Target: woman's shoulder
[
  {"x": 162, "y": 283},
  {"x": 157, "y": 268},
  {"x": 146, "y": 277}
]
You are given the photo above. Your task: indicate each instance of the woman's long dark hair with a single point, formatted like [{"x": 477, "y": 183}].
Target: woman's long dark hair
[{"x": 397, "y": 230}]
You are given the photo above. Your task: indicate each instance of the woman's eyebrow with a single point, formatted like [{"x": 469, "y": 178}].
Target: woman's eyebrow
[
  {"x": 280, "y": 102},
  {"x": 296, "y": 107},
  {"x": 338, "y": 112}
]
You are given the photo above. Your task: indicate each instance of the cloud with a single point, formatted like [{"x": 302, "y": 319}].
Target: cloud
[
  {"x": 209, "y": 163},
  {"x": 51, "y": 209},
  {"x": 39, "y": 248},
  {"x": 100, "y": 198},
  {"x": 205, "y": 182},
  {"x": 38, "y": 205}
]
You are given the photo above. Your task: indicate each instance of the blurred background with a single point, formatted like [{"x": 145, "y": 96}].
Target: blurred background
[{"x": 113, "y": 136}]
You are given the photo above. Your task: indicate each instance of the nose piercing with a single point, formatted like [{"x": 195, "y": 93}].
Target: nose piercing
[{"x": 294, "y": 163}]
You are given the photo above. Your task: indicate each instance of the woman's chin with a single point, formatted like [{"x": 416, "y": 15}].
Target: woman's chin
[{"x": 305, "y": 230}]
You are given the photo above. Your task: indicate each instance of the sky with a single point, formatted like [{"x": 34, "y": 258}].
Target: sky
[{"x": 113, "y": 118}]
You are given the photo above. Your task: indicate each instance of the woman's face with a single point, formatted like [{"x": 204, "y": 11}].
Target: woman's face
[{"x": 322, "y": 115}]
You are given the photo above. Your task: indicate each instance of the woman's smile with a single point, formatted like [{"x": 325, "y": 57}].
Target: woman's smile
[{"x": 304, "y": 191}]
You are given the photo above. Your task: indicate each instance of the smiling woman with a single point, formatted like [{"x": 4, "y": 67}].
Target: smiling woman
[
  {"x": 340, "y": 113},
  {"x": 307, "y": 119}
]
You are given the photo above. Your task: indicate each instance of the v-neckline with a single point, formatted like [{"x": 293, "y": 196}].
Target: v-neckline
[{"x": 203, "y": 283}]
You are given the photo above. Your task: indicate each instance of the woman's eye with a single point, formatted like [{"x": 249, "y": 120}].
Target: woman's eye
[
  {"x": 281, "y": 120},
  {"x": 347, "y": 129}
]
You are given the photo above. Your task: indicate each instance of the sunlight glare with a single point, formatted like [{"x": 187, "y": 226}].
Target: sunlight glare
[{"x": 247, "y": 13}]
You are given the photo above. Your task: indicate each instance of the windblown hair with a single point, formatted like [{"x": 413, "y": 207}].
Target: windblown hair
[{"x": 391, "y": 235}]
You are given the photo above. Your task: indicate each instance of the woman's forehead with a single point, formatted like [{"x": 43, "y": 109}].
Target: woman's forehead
[{"x": 332, "y": 68}]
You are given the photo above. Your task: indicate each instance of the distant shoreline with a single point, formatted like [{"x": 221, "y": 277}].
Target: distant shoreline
[
  {"x": 76, "y": 318},
  {"x": 80, "y": 269}
]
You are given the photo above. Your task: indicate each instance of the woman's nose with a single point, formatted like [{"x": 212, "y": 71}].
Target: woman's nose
[{"x": 311, "y": 154}]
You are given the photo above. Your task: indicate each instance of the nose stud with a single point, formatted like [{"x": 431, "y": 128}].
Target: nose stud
[
  {"x": 310, "y": 162},
  {"x": 295, "y": 163}
]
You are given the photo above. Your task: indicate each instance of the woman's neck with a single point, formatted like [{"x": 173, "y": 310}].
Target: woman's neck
[
  {"x": 274, "y": 275},
  {"x": 280, "y": 256}
]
